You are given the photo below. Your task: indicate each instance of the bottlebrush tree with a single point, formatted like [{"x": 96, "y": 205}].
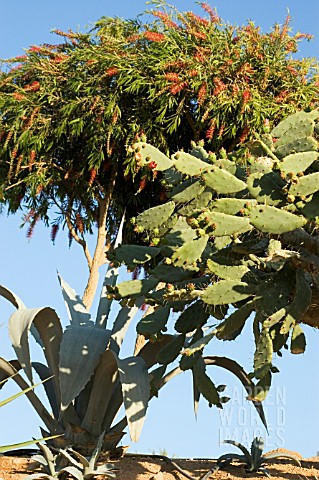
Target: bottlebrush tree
[{"x": 69, "y": 111}]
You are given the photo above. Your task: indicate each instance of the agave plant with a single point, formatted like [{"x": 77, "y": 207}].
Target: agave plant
[
  {"x": 254, "y": 460},
  {"x": 87, "y": 381},
  {"x": 67, "y": 463}
]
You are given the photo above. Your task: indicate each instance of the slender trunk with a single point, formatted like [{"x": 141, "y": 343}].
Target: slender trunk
[{"x": 100, "y": 248}]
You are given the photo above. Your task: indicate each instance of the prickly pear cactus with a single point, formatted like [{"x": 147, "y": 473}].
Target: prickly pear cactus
[{"x": 237, "y": 237}]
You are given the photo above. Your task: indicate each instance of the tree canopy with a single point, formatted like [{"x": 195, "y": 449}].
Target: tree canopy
[{"x": 69, "y": 112}]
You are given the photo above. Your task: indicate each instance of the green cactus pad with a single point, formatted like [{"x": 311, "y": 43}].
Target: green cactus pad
[
  {"x": 264, "y": 188},
  {"x": 298, "y": 340},
  {"x": 198, "y": 203},
  {"x": 298, "y": 162},
  {"x": 222, "y": 242},
  {"x": 180, "y": 234},
  {"x": 226, "y": 292},
  {"x": 300, "y": 302},
  {"x": 305, "y": 185},
  {"x": 132, "y": 255},
  {"x": 189, "y": 253},
  {"x": 223, "y": 225},
  {"x": 192, "y": 318},
  {"x": 199, "y": 152},
  {"x": 261, "y": 389},
  {"x": 230, "y": 328},
  {"x": 189, "y": 193},
  {"x": 154, "y": 322},
  {"x": 301, "y": 129},
  {"x": 170, "y": 274},
  {"x": 226, "y": 269},
  {"x": 152, "y": 154},
  {"x": 204, "y": 384},
  {"x": 307, "y": 144},
  {"x": 171, "y": 350},
  {"x": 231, "y": 206},
  {"x": 263, "y": 355},
  {"x": 135, "y": 288},
  {"x": 298, "y": 123},
  {"x": 223, "y": 182},
  {"x": 278, "y": 339},
  {"x": 310, "y": 208},
  {"x": 156, "y": 216},
  {"x": 269, "y": 219},
  {"x": 190, "y": 165}
]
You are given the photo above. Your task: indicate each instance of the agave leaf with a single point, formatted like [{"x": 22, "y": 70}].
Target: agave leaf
[
  {"x": 44, "y": 373},
  {"x": 17, "y": 395},
  {"x": 48, "y": 325},
  {"x": 75, "y": 472},
  {"x": 196, "y": 396},
  {"x": 136, "y": 392},
  {"x": 121, "y": 324},
  {"x": 38, "y": 476},
  {"x": 105, "y": 376},
  {"x": 11, "y": 297},
  {"x": 6, "y": 448},
  {"x": 204, "y": 384},
  {"x": 81, "y": 348},
  {"x": 77, "y": 312},
  {"x": 240, "y": 373},
  {"x": 288, "y": 456},
  {"x": 257, "y": 447},
  {"x": 229, "y": 457},
  {"x": 248, "y": 457}
]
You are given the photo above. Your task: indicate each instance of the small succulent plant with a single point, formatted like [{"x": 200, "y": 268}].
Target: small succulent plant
[
  {"x": 66, "y": 463},
  {"x": 254, "y": 460}
]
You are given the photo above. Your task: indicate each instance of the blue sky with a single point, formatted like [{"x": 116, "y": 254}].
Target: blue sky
[{"x": 29, "y": 268}]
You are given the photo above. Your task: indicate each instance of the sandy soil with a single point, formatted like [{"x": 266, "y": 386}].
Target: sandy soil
[{"x": 132, "y": 467}]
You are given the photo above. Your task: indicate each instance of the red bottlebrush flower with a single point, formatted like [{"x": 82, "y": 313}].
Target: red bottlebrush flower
[
  {"x": 21, "y": 57},
  {"x": 192, "y": 73},
  {"x": 235, "y": 89},
  {"x": 143, "y": 307},
  {"x": 202, "y": 92},
  {"x": 281, "y": 97},
  {"x": 14, "y": 153},
  {"x": 35, "y": 49},
  {"x": 213, "y": 15},
  {"x": 54, "y": 231},
  {"x": 178, "y": 87},
  {"x": 196, "y": 19},
  {"x": 18, "y": 96},
  {"x": 31, "y": 159},
  {"x": 30, "y": 231},
  {"x": 219, "y": 87},
  {"x": 154, "y": 36},
  {"x": 92, "y": 176},
  {"x": 236, "y": 39},
  {"x": 246, "y": 96},
  {"x": 307, "y": 36},
  {"x": 79, "y": 223},
  {"x": 34, "y": 87},
  {"x": 142, "y": 184},
  {"x": 114, "y": 117},
  {"x": 291, "y": 46},
  {"x": 199, "y": 35},
  {"x": 172, "y": 77},
  {"x": 39, "y": 189},
  {"x": 152, "y": 165},
  {"x": 168, "y": 22},
  {"x": 221, "y": 131},
  {"x": 70, "y": 237},
  {"x": 111, "y": 71},
  {"x": 211, "y": 130},
  {"x": 244, "y": 134}
]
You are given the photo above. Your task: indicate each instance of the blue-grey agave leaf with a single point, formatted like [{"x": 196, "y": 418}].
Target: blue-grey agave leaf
[
  {"x": 135, "y": 383},
  {"x": 78, "y": 314},
  {"x": 121, "y": 324},
  {"x": 105, "y": 376},
  {"x": 18, "y": 303},
  {"x": 81, "y": 348},
  {"x": 44, "y": 374},
  {"x": 109, "y": 280},
  {"x": 47, "y": 323},
  {"x": 11, "y": 297}
]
